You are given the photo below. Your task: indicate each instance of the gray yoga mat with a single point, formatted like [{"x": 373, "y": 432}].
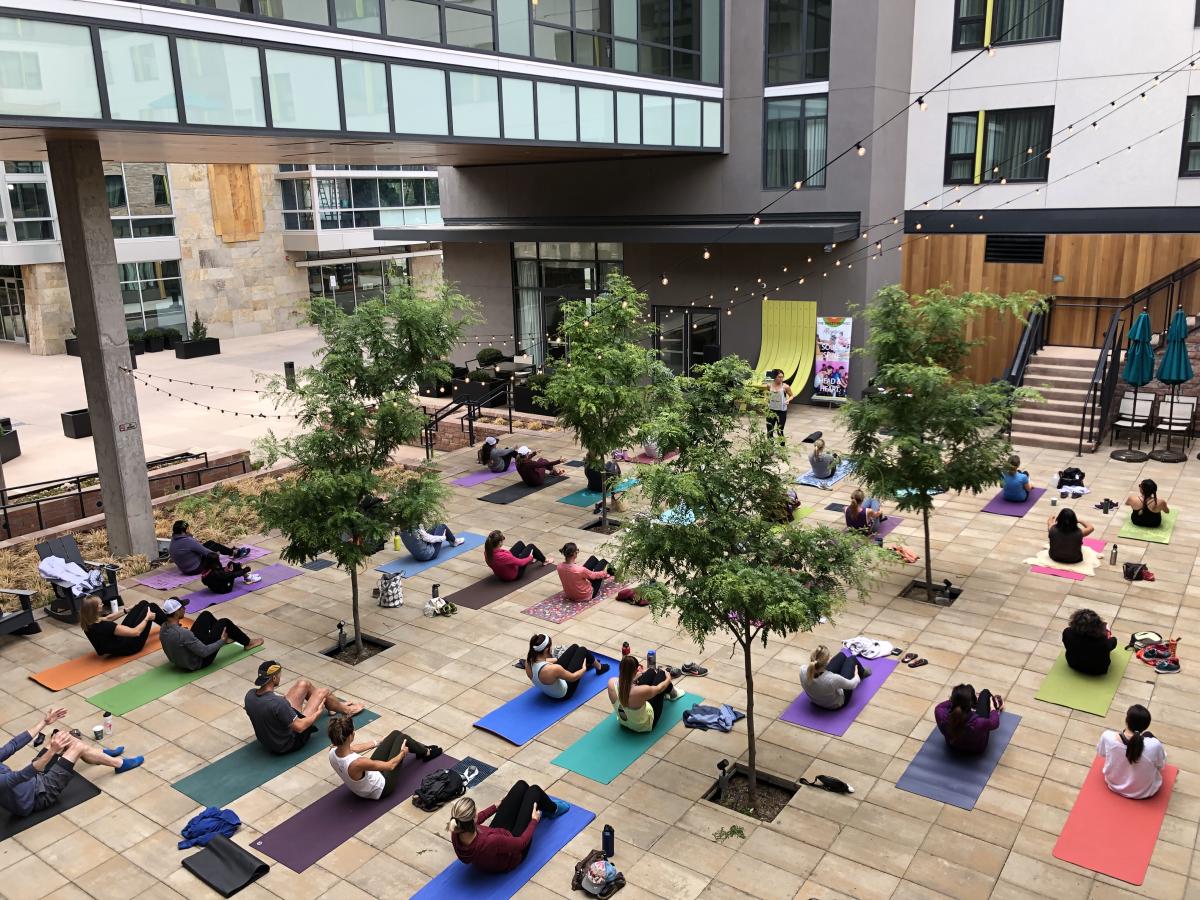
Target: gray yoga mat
[
  {"x": 78, "y": 790},
  {"x": 225, "y": 867},
  {"x": 515, "y": 492},
  {"x": 942, "y": 774}
]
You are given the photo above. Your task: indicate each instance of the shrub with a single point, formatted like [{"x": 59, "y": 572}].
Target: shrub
[
  {"x": 489, "y": 356},
  {"x": 199, "y": 331}
]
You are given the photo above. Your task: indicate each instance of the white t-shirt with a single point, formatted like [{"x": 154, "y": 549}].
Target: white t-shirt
[
  {"x": 1133, "y": 780},
  {"x": 370, "y": 786}
]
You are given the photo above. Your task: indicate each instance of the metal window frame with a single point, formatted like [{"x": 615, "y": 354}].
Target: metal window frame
[
  {"x": 687, "y": 312},
  {"x": 950, "y": 158},
  {"x": 989, "y": 17},
  {"x": 959, "y": 20},
  {"x": 802, "y": 52},
  {"x": 130, "y": 218},
  {"x": 985, "y": 177},
  {"x": 767, "y": 101},
  {"x": 1191, "y": 109},
  {"x": 141, "y": 298}
]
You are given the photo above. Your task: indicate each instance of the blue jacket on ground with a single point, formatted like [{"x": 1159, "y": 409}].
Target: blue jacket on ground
[
  {"x": 711, "y": 717},
  {"x": 206, "y": 825}
]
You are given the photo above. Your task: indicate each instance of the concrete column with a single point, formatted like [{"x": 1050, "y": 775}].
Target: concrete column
[{"x": 91, "y": 262}]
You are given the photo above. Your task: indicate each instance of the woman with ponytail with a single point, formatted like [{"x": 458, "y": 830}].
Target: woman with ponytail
[
  {"x": 637, "y": 699},
  {"x": 1146, "y": 509},
  {"x": 375, "y": 777},
  {"x": 501, "y": 846},
  {"x": 558, "y": 678},
  {"x": 1133, "y": 758},
  {"x": 1015, "y": 481},
  {"x": 967, "y": 718},
  {"x": 509, "y": 564},
  {"x": 829, "y": 681}
]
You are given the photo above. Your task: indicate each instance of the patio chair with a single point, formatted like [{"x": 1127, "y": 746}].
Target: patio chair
[
  {"x": 65, "y": 605},
  {"x": 1181, "y": 421},
  {"x": 1137, "y": 418},
  {"x": 21, "y": 621}
]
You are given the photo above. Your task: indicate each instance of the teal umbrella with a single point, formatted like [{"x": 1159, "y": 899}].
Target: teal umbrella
[
  {"x": 1176, "y": 369},
  {"x": 1139, "y": 369}
]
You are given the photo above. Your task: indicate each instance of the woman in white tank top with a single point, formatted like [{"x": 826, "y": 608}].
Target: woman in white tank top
[{"x": 373, "y": 777}]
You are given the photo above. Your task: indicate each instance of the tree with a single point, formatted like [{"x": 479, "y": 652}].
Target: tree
[
  {"x": 355, "y": 408},
  {"x": 924, "y": 427},
  {"x": 734, "y": 569},
  {"x": 612, "y": 378}
]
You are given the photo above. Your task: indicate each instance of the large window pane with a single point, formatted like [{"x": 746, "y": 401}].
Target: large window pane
[
  {"x": 137, "y": 71},
  {"x": 551, "y": 43},
  {"x": 364, "y": 193},
  {"x": 413, "y": 20},
  {"x": 556, "y": 12},
  {"x": 364, "y": 91},
  {"x": 796, "y": 138},
  {"x": 654, "y": 61},
  {"x": 687, "y": 122},
  {"x": 1015, "y": 144},
  {"x": 518, "y": 109},
  {"x": 37, "y": 230},
  {"x": 656, "y": 119},
  {"x": 654, "y": 21},
  {"x": 556, "y": 112},
  {"x": 228, "y": 5},
  {"x": 420, "y": 99},
  {"x": 798, "y": 37},
  {"x": 596, "y": 123},
  {"x": 47, "y": 69},
  {"x": 1026, "y": 20},
  {"x": 468, "y": 29},
  {"x": 303, "y": 90},
  {"x": 1190, "y": 164},
  {"x": 148, "y": 189},
  {"x": 475, "y": 102},
  {"x": 512, "y": 23},
  {"x": 315, "y": 12},
  {"x": 712, "y": 124},
  {"x": 29, "y": 200},
  {"x": 625, "y": 18},
  {"x": 710, "y": 41},
  {"x": 359, "y": 15},
  {"x": 629, "y": 118},
  {"x": 222, "y": 84}
]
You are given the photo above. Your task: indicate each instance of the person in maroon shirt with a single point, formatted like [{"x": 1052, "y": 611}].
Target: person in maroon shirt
[
  {"x": 966, "y": 719},
  {"x": 501, "y": 846},
  {"x": 533, "y": 468},
  {"x": 509, "y": 564}
]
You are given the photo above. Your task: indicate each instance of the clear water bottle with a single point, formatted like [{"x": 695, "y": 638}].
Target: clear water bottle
[
  {"x": 651, "y": 659},
  {"x": 108, "y": 723}
]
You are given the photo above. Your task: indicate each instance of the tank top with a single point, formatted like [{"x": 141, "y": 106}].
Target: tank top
[
  {"x": 1146, "y": 518},
  {"x": 370, "y": 786},
  {"x": 778, "y": 400},
  {"x": 557, "y": 690},
  {"x": 641, "y": 720}
]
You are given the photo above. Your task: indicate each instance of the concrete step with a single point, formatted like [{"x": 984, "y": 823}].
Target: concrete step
[
  {"x": 1057, "y": 382},
  {"x": 1063, "y": 427},
  {"x": 1075, "y": 395},
  {"x": 1049, "y": 441},
  {"x": 1045, "y": 370},
  {"x": 1073, "y": 406},
  {"x": 1067, "y": 356},
  {"x": 1049, "y": 416}
]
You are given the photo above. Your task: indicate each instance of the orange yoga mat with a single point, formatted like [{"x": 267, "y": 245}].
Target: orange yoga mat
[
  {"x": 1110, "y": 834},
  {"x": 76, "y": 671}
]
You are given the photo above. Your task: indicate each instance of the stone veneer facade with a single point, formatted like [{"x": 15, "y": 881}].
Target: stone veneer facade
[{"x": 48, "y": 317}]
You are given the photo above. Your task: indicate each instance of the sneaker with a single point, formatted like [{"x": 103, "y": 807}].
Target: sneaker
[
  {"x": 241, "y": 552},
  {"x": 561, "y": 808},
  {"x": 130, "y": 763},
  {"x": 433, "y": 752},
  {"x": 252, "y": 578},
  {"x": 674, "y": 693},
  {"x": 458, "y": 542},
  {"x": 603, "y": 669}
]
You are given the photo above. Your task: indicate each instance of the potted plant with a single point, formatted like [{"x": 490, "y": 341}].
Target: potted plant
[
  {"x": 137, "y": 340},
  {"x": 171, "y": 337},
  {"x": 154, "y": 340},
  {"x": 73, "y": 343},
  {"x": 199, "y": 343},
  {"x": 474, "y": 386},
  {"x": 527, "y": 395},
  {"x": 488, "y": 357},
  {"x": 76, "y": 423}
]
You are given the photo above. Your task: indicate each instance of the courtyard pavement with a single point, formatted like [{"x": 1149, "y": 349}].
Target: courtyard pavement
[{"x": 443, "y": 674}]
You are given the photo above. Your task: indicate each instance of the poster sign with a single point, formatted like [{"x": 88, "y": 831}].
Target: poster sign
[{"x": 832, "y": 367}]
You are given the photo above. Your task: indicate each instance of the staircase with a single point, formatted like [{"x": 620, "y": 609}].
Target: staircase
[{"x": 1062, "y": 375}]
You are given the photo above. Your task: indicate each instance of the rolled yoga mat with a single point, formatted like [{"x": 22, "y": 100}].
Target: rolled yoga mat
[
  {"x": 77, "y": 671},
  {"x": 327, "y": 823},
  {"x": 225, "y": 867},
  {"x": 836, "y": 721},
  {"x": 250, "y": 766},
  {"x": 489, "y": 590},
  {"x": 459, "y": 881},
  {"x": 1063, "y": 686},
  {"x": 273, "y": 574},
  {"x": 609, "y": 749},
  {"x": 1160, "y": 535},
  {"x": 1111, "y": 834},
  {"x": 585, "y": 498},
  {"x": 956, "y": 778},
  {"x": 1001, "y": 507},
  {"x": 515, "y": 492},
  {"x": 531, "y": 712},
  {"x": 78, "y": 790},
  {"x": 408, "y": 567}
]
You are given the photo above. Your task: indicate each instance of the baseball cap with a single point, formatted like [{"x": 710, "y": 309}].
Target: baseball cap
[
  {"x": 523, "y": 451},
  {"x": 490, "y": 441},
  {"x": 173, "y": 605},
  {"x": 267, "y": 671}
]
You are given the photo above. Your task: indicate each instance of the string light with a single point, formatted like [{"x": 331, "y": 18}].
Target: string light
[
  {"x": 707, "y": 255},
  {"x": 797, "y": 185},
  {"x": 860, "y": 149},
  {"x": 757, "y": 220},
  {"x": 921, "y": 104},
  {"x": 665, "y": 279}
]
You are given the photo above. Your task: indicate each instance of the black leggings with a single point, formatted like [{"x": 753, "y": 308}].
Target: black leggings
[
  {"x": 655, "y": 676},
  {"x": 983, "y": 704},
  {"x": 776, "y": 419},
  {"x": 217, "y": 547},
  {"x": 846, "y": 666},
  {"x": 571, "y": 659},
  {"x": 220, "y": 579},
  {"x": 516, "y": 809},
  {"x": 388, "y": 748},
  {"x": 208, "y": 628},
  {"x": 127, "y": 646},
  {"x": 596, "y": 565},
  {"x": 522, "y": 550}
]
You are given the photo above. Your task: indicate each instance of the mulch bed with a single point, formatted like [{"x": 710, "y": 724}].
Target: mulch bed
[{"x": 771, "y": 799}]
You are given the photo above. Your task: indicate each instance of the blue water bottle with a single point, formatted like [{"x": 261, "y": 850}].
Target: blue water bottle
[{"x": 651, "y": 659}]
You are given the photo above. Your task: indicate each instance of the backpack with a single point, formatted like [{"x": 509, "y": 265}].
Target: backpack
[
  {"x": 829, "y": 783},
  {"x": 611, "y": 887},
  {"x": 1071, "y": 477},
  {"x": 1135, "y": 571},
  {"x": 438, "y": 788}
]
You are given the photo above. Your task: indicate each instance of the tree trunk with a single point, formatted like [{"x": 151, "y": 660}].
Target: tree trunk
[
  {"x": 928, "y": 557},
  {"x": 604, "y": 508},
  {"x": 752, "y": 759},
  {"x": 358, "y": 642}
]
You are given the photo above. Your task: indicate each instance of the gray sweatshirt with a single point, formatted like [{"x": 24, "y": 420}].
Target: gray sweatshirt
[
  {"x": 827, "y": 690},
  {"x": 184, "y": 649}
]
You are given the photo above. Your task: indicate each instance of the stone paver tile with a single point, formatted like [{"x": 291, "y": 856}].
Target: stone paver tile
[
  {"x": 118, "y": 879},
  {"x": 30, "y": 879},
  {"x": 666, "y": 879}
]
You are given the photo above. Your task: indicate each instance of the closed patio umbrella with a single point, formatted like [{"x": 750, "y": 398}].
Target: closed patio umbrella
[
  {"x": 1175, "y": 370},
  {"x": 1138, "y": 370}
]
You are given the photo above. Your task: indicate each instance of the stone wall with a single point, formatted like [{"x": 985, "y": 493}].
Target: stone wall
[{"x": 48, "y": 316}]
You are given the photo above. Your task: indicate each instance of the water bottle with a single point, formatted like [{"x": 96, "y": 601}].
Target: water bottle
[
  {"x": 651, "y": 659},
  {"x": 396, "y": 545},
  {"x": 1112, "y": 557},
  {"x": 114, "y": 605},
  {"x": 625, "y": 648},
  {"x": 609, "y": 842},
  {"x": 435, "y": 591},
  {"x": 108, "y": 723}
]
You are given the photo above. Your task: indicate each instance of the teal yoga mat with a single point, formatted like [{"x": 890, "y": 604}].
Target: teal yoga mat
[
  {"x": 608, "y": 749},
  {"x": 583, "y": 498}
]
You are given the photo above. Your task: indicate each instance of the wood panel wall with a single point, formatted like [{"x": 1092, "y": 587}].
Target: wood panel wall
[{"x": 236, "y": 202}]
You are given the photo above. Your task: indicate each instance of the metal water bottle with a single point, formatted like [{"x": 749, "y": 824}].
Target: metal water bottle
[
  {"x": 625, "y": 648},
  {"x": 435, "y": 591},
  {"x": 651, "y": 659},
  {"x": 396, "y": 545},
  {"x": 1112, "y": 557},
  {"x": 609, "y": 840}
]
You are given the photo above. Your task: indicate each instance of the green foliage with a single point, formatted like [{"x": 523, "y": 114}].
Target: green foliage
[
  {"x": 199, "y": 329},
  {"x": 152, "y": 333},
  {"x": 172, "y": 334},
  {"x": 489, "y": 356},
  {"x": 137, "y": 333},
  {"x": 703, "y": 409},
  {"x": 721, "y": 835}
]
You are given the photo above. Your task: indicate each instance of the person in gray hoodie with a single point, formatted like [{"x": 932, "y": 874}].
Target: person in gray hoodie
[{"x": 195, "y": 648}]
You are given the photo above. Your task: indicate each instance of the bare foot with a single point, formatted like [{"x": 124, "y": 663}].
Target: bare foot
[
  {"x": 353, "y": 709},
  {"x": 257, "y": 642}
]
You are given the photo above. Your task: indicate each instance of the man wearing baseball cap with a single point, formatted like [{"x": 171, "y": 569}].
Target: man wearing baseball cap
[
  {"x": 195, "y": 648},
  {"x": 284, "y": 722},
  {"x": 533, "y": 471}
]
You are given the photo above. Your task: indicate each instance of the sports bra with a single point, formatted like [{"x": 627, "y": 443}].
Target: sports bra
[
  {"x": 1145, "y": 518},
  {"x": 557, "y": 690}
]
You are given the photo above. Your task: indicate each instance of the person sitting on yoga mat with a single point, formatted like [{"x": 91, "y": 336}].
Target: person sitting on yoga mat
[
  {"x": 192, "y": 557},
  {"x": 283, "y": 723},
  {"x": 863, "y": 514},
  {"x": 1066, "y": 537},
  {"x": 495, "y": 457},
  {"x": 829, "y": 681},
  {"x": 39, "y": 784},
  {"x": 824, "y": 463},
  {"x": 966, "y": 719},
  {"x": 123, "y": 633},
  {"x": 426, "y": 545},
  {"x": 372, "y": 778},
  {"x": 1017, "y": 485},
  {"x": 509, "y": 564},
  {"x": 1146, "y": 509},
  {"x": 533, "y": 470},
  {"x": 581, "y": 582},
  {"x": 638, "y": 699},
  {"x": 1133, "y": 758},
  {"x": 501, "y": 846},
  {"x": 195, "y": 648},
  {"x": 1088, "y": 642},
  {"x": 559, "y": 678}
]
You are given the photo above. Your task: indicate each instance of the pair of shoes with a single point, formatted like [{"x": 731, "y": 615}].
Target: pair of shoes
[
  {"x": 433, "y": 751},
  {"x": 907, "y": 658},
  {"x": 864, "y": 672},
  {"x": 115, "y": 751},
  {"x": 447, "y": 609},
  {"x": 916, "y": 664},
  {"x": 131, "y": 762},
  {"x": 561, "y": 807},
  {"x": 691, "y": 668},
  {"x": 252, "y": 578},
  {"x": 458, "y": 542},
  {"x": 1167, "y": 666},
  {"x": 241, "y": 553}
]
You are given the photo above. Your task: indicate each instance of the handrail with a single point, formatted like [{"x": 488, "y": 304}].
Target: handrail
[
  {"x": 1103, "y": 383},
  {"x": 473, "y": 406},
  {"x": 35, "y": 486}
]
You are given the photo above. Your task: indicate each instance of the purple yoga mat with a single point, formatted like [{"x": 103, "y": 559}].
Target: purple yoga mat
[
  {"x": 836, "y": 721},
  {"x": 1001, "y": 507},
  {"x": 323, "y": 826},
  {"x": 204, "y": 598},
  {"x": 886, "y": 528},
  {"x": 480, "y": 477},
  {"x": 172, "y": 579}
]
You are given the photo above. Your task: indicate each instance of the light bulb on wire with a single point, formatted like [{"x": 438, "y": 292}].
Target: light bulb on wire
[
  {"x": 665, "y": 280},
  {"x": 860, "y": 149},
  {"x": 707, "y": 255}
]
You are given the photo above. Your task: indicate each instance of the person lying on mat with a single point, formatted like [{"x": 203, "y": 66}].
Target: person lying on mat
[
  {"x": 426, "y": 545},
  {"x": 1016, "y": 483},
  {"x": 966, "y": 719},
  {"x": 638, "y": 699},
  {"x": 1146, "y": 509},
  {"x": 829, "y": 681},
  {"x": 284, "y": 722},
  {"x": 558, "y": 678},
  {"x": 375, "y": 777},
  {"x": 1133, "y": 758},
  {"x": 509, "y": 564},
  {"x": 1088, "y": 642},
  {"x": 581, "y": 582},
  {"x": 123, "y": 633},
  {"x": 195, "y": 648},
  {"x": 501, "y": 846},
  {"x": 863, "y": 514},
  {"x": 1066, "y": 537},
  {"x": 533, "y": 468},
  {"x": 824, "y": 462},
  {"x": 495, "y": 457},
  {"x": 192, "y": 557},
  {"x": 39, "y": 784}
]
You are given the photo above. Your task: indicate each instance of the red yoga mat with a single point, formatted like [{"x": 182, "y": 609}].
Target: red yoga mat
[{"x": 1111, "y": 834}]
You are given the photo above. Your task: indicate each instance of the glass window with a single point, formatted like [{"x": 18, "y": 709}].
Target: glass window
[
  {"x": 796, "y": 142},
  {"x": 364, "y": 91},
  {"x": 137, "y": 72},
  {"x": 960, "y": 148},
  {"x": 512, "y": 23},
  {"x": 656, "y": 119},
  {"x": 712, "y": 124},
  {"x": 625, "y": 56},
  {"x": 629, "y": 118},
  {"x": 420, "y": 100},
  {"x": 34, "y": 230},
  {"x": 687, "y": 122},
  {"x": 556, "y": 112},
  {"x": 518, "y": 109},
  {"x": 685, "y": 65},
  {"x": 684, "y": 25},
  {"x": 1009, "y": 22},
  {"x": 29, "y": 200},
  {"x": 1191, "y": 139},
  {"x": 1015, "y": 142},
  {"x": 47, "y": 69},
  {"x": 593, "y": 50},
  {"x": 315, "y": 12},
  {"x": 625, "y": 18},
  {"x": 148, "y": 189},
  {"x": 358, "y": 15},
  {"x": 475, "y": 104},
  {"x": 798, "y": 33},
  {"x": 24, "y": 168},
  {"x": 364, "y": 192},
  {"x": 114, "y": 188},
  {"x": 227, "y": 5},
  {"x": 468, "y": 29},
  {"x": 303, "y": 91},
  {"x": 654, "y": 60},
  {"x": 710, "y": 41},
  {"x": 596, "y": 123},
  {"x": 556, "y": 12},
  {"x": 413, "y": 20},
  {"x": 654, "y": 22},
  {"x": 969, "y": 19},
  {"x": 594, "y": 15},
  {"x": 153, "y": 295},
  {"x": 552, "y": 43},
  {"x": 222, "y": 84}
]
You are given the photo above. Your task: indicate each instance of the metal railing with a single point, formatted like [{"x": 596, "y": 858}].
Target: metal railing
[
  {"x": 1033, "y": 339},
  {"x": 473, "y": 409},
  {"x": 1103, "y": 384}
]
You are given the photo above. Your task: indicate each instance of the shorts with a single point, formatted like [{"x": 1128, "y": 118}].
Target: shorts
[{"x": 51, "y": 783}]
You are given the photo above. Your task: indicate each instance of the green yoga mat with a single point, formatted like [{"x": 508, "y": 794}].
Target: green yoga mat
[
  {"x": 591, "y": 498},
  {"x": 160, "y": 681},
  {"x": 1063, "y": 686},
  {"x": 608, "y": 749},
  {"x": 238, "y": 773},
  {"x": 1160, "y": 535}
]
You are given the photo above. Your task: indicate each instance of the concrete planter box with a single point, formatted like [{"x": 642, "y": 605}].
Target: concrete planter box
[
  {"x": 10, "y": 446},
  {"x": 196, "y": 349},
  {"x": 77, "y": 423},
  {"x": 137, "y": 345}
]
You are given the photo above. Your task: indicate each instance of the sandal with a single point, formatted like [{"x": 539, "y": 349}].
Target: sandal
[
  {"x": 692, "y": 669},
  {"x": 918, "y": 664},
  {"x": 907, "y": 658}
]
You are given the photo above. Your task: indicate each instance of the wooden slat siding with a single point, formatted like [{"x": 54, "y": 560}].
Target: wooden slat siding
[
  {"x": 1093, "y": 265},
  {"x": 236, "y": 202}
]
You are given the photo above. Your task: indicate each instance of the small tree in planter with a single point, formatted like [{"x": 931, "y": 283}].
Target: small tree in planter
[
  {"x": 155, "y": 340},
  {"x": 488, "y": 357},
  {"x": 171, "y": 337},
  {"x": 198, "y": 342}
]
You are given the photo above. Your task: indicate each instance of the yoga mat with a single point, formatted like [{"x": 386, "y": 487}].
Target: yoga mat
[
  {"x": 480, "y": 477},
  {"x": 327, "y": 823},
  {"x": 459, "y": 881},
  {"x": 1161, "y": 535},
  {"x": 942, "y": 774},
  {"x": 886, "y": 528},
  {"x": 842, "y": 470},
  {"x": 609, "y": 749},
  {"x": 1111, "y": 834},
  {"x": 273, "y": 574},
  {"x": 78, "y": 790},
  {"x": 584, "y": 498},
  {"x": 530, "y": 713},
  {"x": 489, "y": 590},
  {"x": 645, "y": 460},
  {"x": 836, "y": 721},
  {"x": 485, "y": 771},
  {"x": 803, "y": 512},
  {"x": 160, "y": 681},
  {"x": 1001, "y": 507},
  {"x": 558, "y": 608},
  {"x": 172, "y": 579},
  {"x": 1063, "y": 686},
  {"x": 76, "y": 671},
  {"x": 250, "y": 766},
  {"x": 316, "y": 565},
  {"x": 224, "y": 866},
  {"x": 836, "y": 507},
  {"x": 408, "y": 567},
  {"x": 515, "y": 492}
]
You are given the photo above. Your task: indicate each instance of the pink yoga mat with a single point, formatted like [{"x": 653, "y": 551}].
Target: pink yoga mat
[
  {"x": 558, "y": 608},
  {"x": 1095, "y": 543},
  {"x": 205, "y": 598},
  {"x": 171, "y": 579},
  {"x": 1001, "y": 507},
  {"x": 480, "y": 477},
  {"x": 645, "y": 460},
  {"x": 836, "y": 721}
]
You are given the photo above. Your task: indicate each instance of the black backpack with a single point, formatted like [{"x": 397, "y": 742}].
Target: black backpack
[
  {"x": 829, "y": 783},
  {"x": 439, "y": 788},
  {"x": 1071, "y": 477}
]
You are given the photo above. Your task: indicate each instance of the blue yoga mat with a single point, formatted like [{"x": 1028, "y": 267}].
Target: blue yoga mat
[
  {"x": 839, "y": 473},
  {"x": 458, "y": 880},
  {"x": 584, "y": 497},
  {"x": 409, "y": 567},
  {"x": 939, "y": 773},
  {"x": 527, "y": 715}
]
